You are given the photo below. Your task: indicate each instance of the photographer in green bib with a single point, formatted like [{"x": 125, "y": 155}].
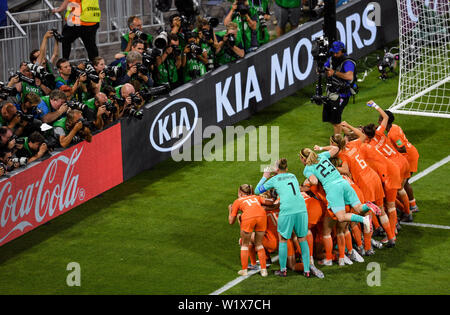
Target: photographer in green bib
[
  {"x": 247, "y": 21},
  {"x": 194, "y": 59},
  {"x": 136, "y": 32},
  {"x": 82, "y": 20},
  {"x": 168, "y": 64},
  {"x": 229, "y": 47}
]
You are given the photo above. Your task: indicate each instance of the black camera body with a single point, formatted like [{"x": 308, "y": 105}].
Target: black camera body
[
  {"x": 231, "y": 40},
  {"x": 135, "y": 99},
  {"x": 148, "y": 93},
  {"x": 113, "y": 71},
  {"x": 89, "y": 71},
  {"x": 140, "y": 34},
  {"x": 195, "y": 50},
  {"x": 262, "y": 20},
  {"x": 6, "y": 91},
  {"x": 242, "y": 8},
  {"x": 320, "y": 52},
  {"x": 56, "y": 35}
]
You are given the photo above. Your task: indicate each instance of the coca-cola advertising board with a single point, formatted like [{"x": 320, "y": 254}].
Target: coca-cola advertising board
[{"x": 56, "y": 185}]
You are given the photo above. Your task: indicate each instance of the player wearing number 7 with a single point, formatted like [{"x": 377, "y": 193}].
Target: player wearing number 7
[
  {"x": 293, "y": 214},
  {"x": 338, "y": 191}
]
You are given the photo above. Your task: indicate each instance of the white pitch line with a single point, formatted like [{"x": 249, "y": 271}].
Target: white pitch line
[
  {"x": 412, "y": 180},
  {"x": 429, "y": 169},
  {"x": 426, "y": 225},
  {"x": 231, "y": 284}
]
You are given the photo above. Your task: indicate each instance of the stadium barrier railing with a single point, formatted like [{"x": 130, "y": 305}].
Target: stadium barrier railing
[{"x": 223, "y": 97}]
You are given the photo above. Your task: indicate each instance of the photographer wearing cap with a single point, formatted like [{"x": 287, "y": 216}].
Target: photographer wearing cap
[
  {"x": 72, "y": 129},
  {"x": 34, "y": 147},
  {"x": 341, "y": 77},
  {"x": 287, "y": 11},
  {"x": 82, "y": 20},
  {"x": 229, "y": 46},
  {"x": 247, "y": 22},
  {"x": 136, "y": 32}
]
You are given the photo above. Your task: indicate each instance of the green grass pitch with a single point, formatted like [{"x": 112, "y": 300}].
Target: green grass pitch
[{"x": 166, "y": 231}]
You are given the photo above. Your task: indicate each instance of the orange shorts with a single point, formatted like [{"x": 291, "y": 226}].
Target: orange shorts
[
  {"x": 270, "y": 242},
  {"x": 257, "y": 224},
  {"x": 371, "y": 187},
  {"x": 413, "y": 158}
]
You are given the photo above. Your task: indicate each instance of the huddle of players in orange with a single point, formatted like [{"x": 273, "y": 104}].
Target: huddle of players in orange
[{"x": 377, "y": 161}]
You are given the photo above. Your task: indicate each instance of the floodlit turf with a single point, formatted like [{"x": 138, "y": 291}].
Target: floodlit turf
[{"x": 166, "y": 230}]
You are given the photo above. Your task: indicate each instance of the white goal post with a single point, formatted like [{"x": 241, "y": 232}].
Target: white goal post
[{"x": 424, "y": 43}]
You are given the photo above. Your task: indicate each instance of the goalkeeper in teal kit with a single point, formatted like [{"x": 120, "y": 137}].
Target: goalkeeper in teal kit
[{"x": 293, "y": 215}]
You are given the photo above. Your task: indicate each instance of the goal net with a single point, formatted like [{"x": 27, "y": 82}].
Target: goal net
[{"x": 424, "y": 40}]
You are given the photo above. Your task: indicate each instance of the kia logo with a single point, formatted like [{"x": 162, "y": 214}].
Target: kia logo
[{"x": 174, "y": 120}]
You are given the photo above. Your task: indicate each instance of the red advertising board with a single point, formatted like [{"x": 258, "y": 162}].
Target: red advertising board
[{"x": 54, "y": 186}]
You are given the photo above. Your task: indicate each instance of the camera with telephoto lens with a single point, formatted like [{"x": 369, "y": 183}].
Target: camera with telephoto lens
[
  {"x": 56, "y": 35},
  {"x": 113, "y": 71},
  {"x": 231, "y": 40},
  {"x": 76, "y": 105},
  {"x": 161, "y": 41},
  {"x": 24, "y": 78},
  {"x": 6, "y": 91},
  {"x": 140, "y": 34},
  {"x": 86, "y": 123},
  {"x": 242, "y": 8},
  {"x": 148, "y": 93},
  {"x": 110, "y": 107},
  {"x": 213, "y": 22},
  {"x": 23, "y": 161},
  {"x": 89, "y": 71},
  {"x": 142, "y": 69},
  {"x": 195, "y": 50},
  {"x": 135, "y": 99},
  {"x": 41, "y": 73},
  {"x": 25, "y": 117},
  {"x": 135, "y": 113},
  {"x": 149, "y": 57}
]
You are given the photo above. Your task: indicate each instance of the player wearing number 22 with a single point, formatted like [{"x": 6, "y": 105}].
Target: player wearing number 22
[
  {"x": 338, "y": 191},
  {"x": 293, "y": 214}
]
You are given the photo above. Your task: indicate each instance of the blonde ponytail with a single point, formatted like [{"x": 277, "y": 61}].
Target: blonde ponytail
[{"x": 310, "y": 156}]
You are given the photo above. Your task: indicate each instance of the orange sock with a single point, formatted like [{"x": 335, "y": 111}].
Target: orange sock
[
  {"x": 412, "y": 203},
  {"x": 244, "y": 257},
  {"x": 385, "y": 222},
  {"x": 405, "y": 202},
  {"x": 252, "y": 254},
  {"x": 376, "y": 223},
  {"x": 341, "y": 244},
  {"x": 356, "y": 231},
  {"x": 367, "y": 241},
  {"x": 310, "y": 240},
  {"x": 348, "y": 241},
  {"x": 262, "y": 256},
  {"x": 328, "y": 244},
  {"x": 392, "y": 214},
  {"x": 298, "y": 267}
]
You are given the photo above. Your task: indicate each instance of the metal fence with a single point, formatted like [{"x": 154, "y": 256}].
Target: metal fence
[{"x": 26, "y": 29}]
